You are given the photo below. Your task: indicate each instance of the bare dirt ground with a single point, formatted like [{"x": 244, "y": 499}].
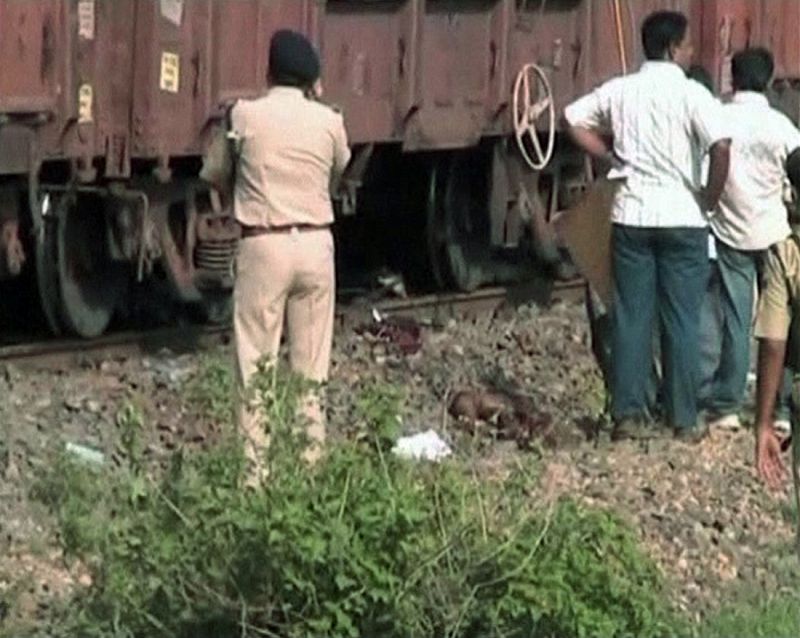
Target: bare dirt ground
[{"x": 699, "y": 509}]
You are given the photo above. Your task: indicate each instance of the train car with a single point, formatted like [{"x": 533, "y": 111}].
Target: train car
[{"x": 452, "y": 107}]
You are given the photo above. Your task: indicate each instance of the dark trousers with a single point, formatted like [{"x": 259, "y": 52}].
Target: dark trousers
[
  {"x": 735, "y": 276},
  {"x": 659, "y": 274}
]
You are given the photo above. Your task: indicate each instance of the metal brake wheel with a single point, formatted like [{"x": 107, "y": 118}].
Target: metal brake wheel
[{"x": 532, "y": 102}]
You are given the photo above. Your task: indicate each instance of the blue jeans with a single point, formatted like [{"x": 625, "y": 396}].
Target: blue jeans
[
  {"x": 711, "y": 322},
  {"x": 736, "y": 272},
  {"x": 600, "y": 332},
  {"x": 658, "y": 273}
]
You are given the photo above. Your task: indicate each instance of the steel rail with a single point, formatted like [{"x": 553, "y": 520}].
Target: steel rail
[{"x": 65, "y": 353}]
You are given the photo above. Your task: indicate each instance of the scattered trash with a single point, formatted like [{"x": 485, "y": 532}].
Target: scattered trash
[
  {"x": 94, "y": 407},
  {"x": 394, "y": 284},
  {"x": 512, "y": 416},
  {"x": 403, "y": 333},
  {"x": 170, "y": 372},
  {"x": 74, "y": 404},
  {"x": 426, "y": 446},
  {"x": 84, "y": 453}
]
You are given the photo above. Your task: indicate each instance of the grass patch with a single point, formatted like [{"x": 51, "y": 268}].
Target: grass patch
[
  {"x": 768, "y": 611},
  {"x": 755, "y": 617},
  {"x": 210, "y": 391},
  {"x": 362, "y": 544},
  {"x": 788, "y": 511}
]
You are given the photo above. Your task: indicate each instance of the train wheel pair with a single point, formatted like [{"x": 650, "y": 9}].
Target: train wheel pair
[
  {"x": 457, "y": 228},
  {"x": 80, "y": 286}
]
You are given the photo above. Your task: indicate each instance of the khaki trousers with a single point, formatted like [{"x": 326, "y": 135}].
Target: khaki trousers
[{"x": 284, "y": 275}]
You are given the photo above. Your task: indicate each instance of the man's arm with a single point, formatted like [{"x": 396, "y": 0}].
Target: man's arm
[
  {"x": 719, "y": 163},
  {"x": 773, "y": 322},
  {"x": 589, "y": 141},
  {"x": 708, "y": 123},
  {"x": 341, "y": 149},
  {"x": 771, "y": 353},
  {"x": 586, "y": 118}
]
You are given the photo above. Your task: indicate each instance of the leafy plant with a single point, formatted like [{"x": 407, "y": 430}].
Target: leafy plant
[
  {"x": 210, "y": 391},
  {"x": 130, "y": 422},
  {"x": 360, "y": 544}
]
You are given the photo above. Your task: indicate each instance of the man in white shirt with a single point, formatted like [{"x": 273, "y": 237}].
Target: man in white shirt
[
  {"x": 751, "y": 217},
  {"x": 660, "y": 234}
]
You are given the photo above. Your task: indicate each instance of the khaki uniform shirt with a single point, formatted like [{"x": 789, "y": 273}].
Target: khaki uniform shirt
[
  {"x": 290, "y": 148},
  {"x": 778, "y": 314}
]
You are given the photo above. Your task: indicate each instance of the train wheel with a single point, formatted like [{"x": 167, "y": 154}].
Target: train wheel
[
  {"x": 458, "y": 231},
  {"x": 79, "y": 284},
  {"x": 47, "y": 266},
  {"x": 215, "y": 307},
  {"x": 436, "y": 231}
]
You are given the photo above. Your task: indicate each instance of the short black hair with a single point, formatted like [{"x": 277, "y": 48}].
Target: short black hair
[
  {"x": 698, "y": 73},
  {"x": 293, "y": 61},
  {"x": 286, "y": 79},
  {"x": 752, "y": 69},
  {"x": 662, "y": 30}
]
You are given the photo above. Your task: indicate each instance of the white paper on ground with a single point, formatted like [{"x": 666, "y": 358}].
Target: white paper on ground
[{"x": 426, "y": 446}]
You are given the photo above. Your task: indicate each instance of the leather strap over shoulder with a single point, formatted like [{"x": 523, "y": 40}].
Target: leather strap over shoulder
[{"x": 228, "y": 117}]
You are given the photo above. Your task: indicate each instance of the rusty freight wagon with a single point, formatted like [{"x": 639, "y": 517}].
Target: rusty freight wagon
[{"x": 452, "y": 107}]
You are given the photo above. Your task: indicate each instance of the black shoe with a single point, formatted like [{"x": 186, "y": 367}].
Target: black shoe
[{"x": 692, "y": 435}]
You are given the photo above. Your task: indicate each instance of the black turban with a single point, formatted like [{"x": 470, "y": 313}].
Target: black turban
[{"x": 292, "y": 59}]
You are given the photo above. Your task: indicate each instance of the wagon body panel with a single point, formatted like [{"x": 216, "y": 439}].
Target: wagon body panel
[{"x": 145, "y": 79}]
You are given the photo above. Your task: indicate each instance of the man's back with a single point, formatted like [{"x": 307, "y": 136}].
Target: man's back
[
  {"x": 290, "y": 145},
  {"x": 655, "y": 116},
  {"x": 751, "y": 214}
]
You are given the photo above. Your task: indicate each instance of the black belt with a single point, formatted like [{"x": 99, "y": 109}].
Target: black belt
[{"x": 255, "y": 231}]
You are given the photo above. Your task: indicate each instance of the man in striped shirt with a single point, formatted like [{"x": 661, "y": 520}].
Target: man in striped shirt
[{"x": 660, "y": 235}]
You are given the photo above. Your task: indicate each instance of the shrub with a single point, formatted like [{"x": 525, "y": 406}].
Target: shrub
[
  {"x": 210, "y": 391},
  {"x": 362, "y": 544}
]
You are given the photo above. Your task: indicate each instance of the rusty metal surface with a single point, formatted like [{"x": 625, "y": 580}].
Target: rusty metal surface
[
  {"x": 460, "y": 58},
  {"x": 145, "y": 79},
  {"x": 59, "y": 61},
  {"x": 369, "y": 76},
  {"x": 32, "y": 38},
  {"x": 188, "y": 66}
]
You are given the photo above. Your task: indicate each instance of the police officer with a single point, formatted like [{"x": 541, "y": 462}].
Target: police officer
[{"x": 289, "y": 148}]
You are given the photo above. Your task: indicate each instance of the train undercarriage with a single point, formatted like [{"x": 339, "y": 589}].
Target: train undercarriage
[{"x": 446, "y": 220}]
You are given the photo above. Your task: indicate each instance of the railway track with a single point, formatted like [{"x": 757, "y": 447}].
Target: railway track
[{"x": 65, "y": 353}]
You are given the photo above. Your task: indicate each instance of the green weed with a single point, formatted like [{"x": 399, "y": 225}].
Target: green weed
[
  {"x": 757, "y": 617},
  {"x": 361, "y": 544},
  {"x": 210, "y": 391}
]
